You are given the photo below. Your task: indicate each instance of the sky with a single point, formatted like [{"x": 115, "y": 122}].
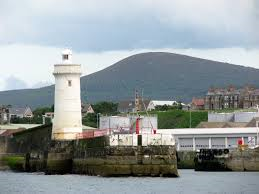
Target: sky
[{"x": 102, "y": 32}]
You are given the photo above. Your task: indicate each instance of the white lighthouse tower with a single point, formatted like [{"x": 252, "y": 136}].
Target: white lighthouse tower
[{"x": 67, "y": 121}]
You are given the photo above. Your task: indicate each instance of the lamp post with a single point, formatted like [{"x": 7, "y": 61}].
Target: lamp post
[{"x": 190, "y": 125}]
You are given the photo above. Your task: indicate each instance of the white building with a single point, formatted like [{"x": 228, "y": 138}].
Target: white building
[
  {"x": 67, "y": 122},
  {"x": 212, "y": 138},
  {"x": 127, "y": 124},
  {"x": 153, "y": 103},
  {"x": 24, "y": 112}
]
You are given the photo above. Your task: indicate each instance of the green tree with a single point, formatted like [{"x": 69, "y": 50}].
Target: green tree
[
  {"x": 108, "y": 108},
  {"x": 90, "y": 120}
]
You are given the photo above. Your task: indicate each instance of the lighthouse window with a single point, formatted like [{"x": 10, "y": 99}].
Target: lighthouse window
[
  {"x": 65, "y": 57},
  {"x": 69, "y": 83}
]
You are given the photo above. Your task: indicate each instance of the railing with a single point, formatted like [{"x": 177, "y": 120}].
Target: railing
[
  {"x": 92, "y": 133},
  {"x": 145, "y": 139}
]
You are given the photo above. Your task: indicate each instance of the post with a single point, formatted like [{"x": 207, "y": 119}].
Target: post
[
  {"x": 190, "y": 117},
  {"x": 257, "y": 125},
  {"x": 193, "y": 144},
  {"x": 43, "y": 120},
  {"x": 97, "y": 120},
  {"x": 210, "y": 143},
  {"x": 226, "y": 142},
  {"x": 178, "y": 144}
]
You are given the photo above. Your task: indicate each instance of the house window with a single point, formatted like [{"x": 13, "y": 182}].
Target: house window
[{"x": 69, "y": 83}]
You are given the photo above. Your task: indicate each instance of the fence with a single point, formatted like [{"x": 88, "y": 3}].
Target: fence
[
  {"x": 146, "y": 139},
  {"x": 92, "y": 134}
]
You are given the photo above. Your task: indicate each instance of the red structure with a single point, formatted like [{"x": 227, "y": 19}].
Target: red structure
[
  {"x": 137, "y": 125},
  {"x": 240, "y": 142}
]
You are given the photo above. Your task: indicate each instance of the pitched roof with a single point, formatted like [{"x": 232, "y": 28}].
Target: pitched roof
[
  {"x": 126, "y": 104},
  {"x": 130, "y": 104},
  {"x": 253, "y": 122},
  {"x": 198, "y": 101},
  {"x": 9, "y": 132},
  {"x": 85, "y": 107},
  {"x": 163, "y": 102},
  {"x": 221, "y": 124},
  {"x": 211, "y": 125},
  {"x": 17, "y": 111},
  {"x": 18, "y": 126}
]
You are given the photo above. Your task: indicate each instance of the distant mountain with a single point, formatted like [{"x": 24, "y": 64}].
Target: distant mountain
[{"x": 160, "y": 75}]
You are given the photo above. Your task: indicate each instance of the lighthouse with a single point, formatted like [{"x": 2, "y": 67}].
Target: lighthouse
[{"x": 67, "y": 122}]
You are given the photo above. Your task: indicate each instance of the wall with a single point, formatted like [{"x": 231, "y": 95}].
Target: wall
[
  {"x": 31, "y": 140},
  {"x": 220, "y": 117},
  {"x": 185, "y": 159},
  {"x": 245, "y": 116}
]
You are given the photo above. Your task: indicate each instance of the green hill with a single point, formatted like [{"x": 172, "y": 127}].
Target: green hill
[{"x": 160, "y": 75}]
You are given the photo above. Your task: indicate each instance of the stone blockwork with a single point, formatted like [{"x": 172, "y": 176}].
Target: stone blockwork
[
  {"x": 185, "y": 159},
  {"x": 92, "y": 156},
  {"x": 227, "y": 160},
  {"x": 243, "y": 160}
]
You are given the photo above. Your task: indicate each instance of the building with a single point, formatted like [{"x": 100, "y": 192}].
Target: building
[
  {"x": 250, "y": 97},
  {"x": 4, "y": 115},
  {"x": 49, "y": 116},
  {"x": 20, "y": 112},
  {"x": 128, "y": 124},
  {"x": 154, "y": 103},
  {"x": 211, "y": 138},
  {"x": 128, "y": 106},
  {"x": 231, "y": 98},
  {"x": 197, "y": 104},
  {"x": 222, "y": 98},
  {"x": 87, "y": 108},
  {"x": 67, "y": 122}
]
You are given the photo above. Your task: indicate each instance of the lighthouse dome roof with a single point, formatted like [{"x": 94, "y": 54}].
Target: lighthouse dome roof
[{"x": 67, "y": 52}]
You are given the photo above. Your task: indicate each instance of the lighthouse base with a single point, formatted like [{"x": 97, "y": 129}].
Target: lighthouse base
[{"x": 66, "y": 133}]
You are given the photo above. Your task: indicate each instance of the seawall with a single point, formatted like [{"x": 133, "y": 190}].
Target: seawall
[{"x": 33, "y": 150}]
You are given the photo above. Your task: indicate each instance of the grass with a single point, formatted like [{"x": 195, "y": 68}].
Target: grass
[
  {"x": 14, "y": 162},
  {"x": 179, "y": 118},
  {"x": 166, "y": 119}
]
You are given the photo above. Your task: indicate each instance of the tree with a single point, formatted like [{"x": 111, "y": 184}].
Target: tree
[{"x": 108, "y": 108}]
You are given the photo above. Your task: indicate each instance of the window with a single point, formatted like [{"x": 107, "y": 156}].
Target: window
[
  {"x": 65, "y": 57},
  {"x": 69, "y": 83}
]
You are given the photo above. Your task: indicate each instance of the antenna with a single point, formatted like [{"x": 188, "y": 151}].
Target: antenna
[{"x": 152, "y": 128}]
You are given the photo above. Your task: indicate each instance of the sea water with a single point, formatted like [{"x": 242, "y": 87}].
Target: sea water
[{"x": 188, "y": 182}]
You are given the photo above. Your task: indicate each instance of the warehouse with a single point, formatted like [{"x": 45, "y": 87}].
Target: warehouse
[{"x": 213, "y": 138}]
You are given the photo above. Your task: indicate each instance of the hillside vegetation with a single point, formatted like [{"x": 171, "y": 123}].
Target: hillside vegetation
[
  {"x": 180, "y": 119},
  {"x": 162, "y": 76}
]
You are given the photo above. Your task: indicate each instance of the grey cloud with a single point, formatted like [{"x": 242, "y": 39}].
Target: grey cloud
[
  {"x": 41, "y": 84},
  {"x": 13, "y": 83},
  {"x": 115, "y": 25}
]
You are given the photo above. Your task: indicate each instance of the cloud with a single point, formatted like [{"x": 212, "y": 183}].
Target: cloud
[
  {"x": 92, "y": 25},
  {"x": 41, "y": 84},
  {"x": 14, "y": 83},
  {"x": 34, "y": 63}
]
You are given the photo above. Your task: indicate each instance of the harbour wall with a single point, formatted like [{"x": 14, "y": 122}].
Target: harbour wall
[{"x": 33, "y": 150}]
